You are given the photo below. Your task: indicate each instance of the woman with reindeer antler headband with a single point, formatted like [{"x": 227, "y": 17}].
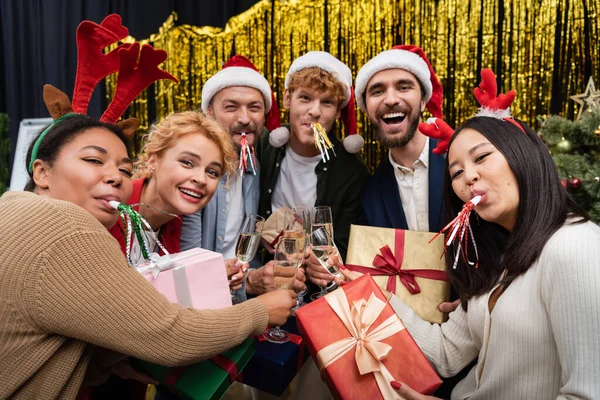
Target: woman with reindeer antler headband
[
  {"x": 524, "y": 261},
  {"x": 71, "y": 308}
]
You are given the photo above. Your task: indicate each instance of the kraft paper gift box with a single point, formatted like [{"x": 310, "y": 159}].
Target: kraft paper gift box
[
  {"x": 405, "y": 263},
  {"x": 194, "y": 278},
  {"x": 360, "y": 344},
  {"x": 206, "y": 380},
  {"x": 273, "y": 227}
]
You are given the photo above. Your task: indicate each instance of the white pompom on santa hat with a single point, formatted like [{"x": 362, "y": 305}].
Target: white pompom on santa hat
[
  {"x": 409, "y": 58},
  {"x": 353, "y": 142},
  {"x": 240, "y": 71}
]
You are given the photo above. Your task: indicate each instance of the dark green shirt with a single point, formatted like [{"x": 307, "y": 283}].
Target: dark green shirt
[{"x": 340, "y": 182}]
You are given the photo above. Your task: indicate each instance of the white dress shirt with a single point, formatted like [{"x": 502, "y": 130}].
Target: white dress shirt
[{"x": 413, "y": 186}]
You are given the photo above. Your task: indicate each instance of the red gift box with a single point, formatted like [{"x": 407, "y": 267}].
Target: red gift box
[{"x": 359, "y": 365}]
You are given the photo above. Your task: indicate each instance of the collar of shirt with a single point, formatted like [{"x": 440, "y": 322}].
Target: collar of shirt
[{"x": 422, "y": 160}]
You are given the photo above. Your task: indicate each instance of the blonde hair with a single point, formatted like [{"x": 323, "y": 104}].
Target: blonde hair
[
  {"x": 162, "y": 135},
  {"x": 319, "y": 80}
]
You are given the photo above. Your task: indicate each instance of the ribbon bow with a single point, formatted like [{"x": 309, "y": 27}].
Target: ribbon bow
[
  {"x": 390, "y": 265},
  {"x": 158, "y": 264},
  {"x": 369, "y": 351}
]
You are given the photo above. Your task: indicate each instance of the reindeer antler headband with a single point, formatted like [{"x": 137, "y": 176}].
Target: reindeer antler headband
[
  {"x": 492, "y": 105},
  {"x": 137, "y": 70}
]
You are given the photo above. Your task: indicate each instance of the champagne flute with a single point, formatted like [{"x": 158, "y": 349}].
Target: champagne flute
[
  {"x": 300, "y": 227},
  {"x": 289, "y": 253},
  {"x": 248, "y": 240},
  {"x": 321, "y": 217},
  {"x": 322, "y": 246}
]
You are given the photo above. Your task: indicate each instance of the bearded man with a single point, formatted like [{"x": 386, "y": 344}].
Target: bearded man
[{"x": 405, "y": 192}]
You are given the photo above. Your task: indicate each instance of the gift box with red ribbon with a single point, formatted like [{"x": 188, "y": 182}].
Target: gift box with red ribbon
[
  {"x": 275, "y": 365},
  {"x": 404, "y": 263},
  {"x": 207, "y": 379},
  {"x": 360, "y": 344}
]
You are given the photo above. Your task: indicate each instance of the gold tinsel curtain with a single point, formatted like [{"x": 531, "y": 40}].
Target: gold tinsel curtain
[{"x": 544, "y": 49}]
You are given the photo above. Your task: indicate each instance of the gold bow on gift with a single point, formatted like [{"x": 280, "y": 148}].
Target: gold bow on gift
[{"x": 370, "y": 352}]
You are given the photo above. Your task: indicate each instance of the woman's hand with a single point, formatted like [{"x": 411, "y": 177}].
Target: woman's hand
[
  {"x": 235, "y": 273},
  {"x": 279, "y": 305},
  {"x": 348, "y": 276},
  {"x": 409, "y": 394}
]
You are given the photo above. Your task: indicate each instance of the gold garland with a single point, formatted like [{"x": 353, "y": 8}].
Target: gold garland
[{"x": 460, "y": 37}]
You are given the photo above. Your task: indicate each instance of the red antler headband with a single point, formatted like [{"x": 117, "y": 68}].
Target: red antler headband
[
  {"x": 437, "y": 128},
  {"x": 492, "y": 104},
  {"x": 137, "y": 70}
]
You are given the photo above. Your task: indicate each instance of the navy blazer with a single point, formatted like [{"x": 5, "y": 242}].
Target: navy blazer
[{"x": 381, "y": 205}]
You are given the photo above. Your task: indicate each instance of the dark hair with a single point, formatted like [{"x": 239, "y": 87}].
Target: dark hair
[
  {"x": 544, "y": 205},
  {"x": 61, "y": 134}
]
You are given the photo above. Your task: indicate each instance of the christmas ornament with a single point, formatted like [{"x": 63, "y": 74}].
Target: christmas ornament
[
  {"x": 564, "y": 146},
  {"x": 589, "y": 99},
  {"x": 574, "y": 183},
  {"x": 597, "y": 132},
  {"x": 564, "y": 183},
  {"x": 461, "y": 223}
]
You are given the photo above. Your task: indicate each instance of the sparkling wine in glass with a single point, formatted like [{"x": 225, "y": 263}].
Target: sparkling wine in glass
[
  {"x": 321, "y": 218},
  {"x": 288, "y": 256},
  {"x": 246, "y": 246},
  {"x": 323, "y": 248},
  {"x": 301, "y": 227},
  {"x": 248, "y": 240}
]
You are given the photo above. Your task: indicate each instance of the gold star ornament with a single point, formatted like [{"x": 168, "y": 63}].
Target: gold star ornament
[{"x": 588, "y": 100}]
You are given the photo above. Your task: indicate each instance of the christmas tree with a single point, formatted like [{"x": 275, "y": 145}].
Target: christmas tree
[{"x": 575, "y": 147}]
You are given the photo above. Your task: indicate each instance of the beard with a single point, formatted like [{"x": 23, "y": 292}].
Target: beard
[{"x": 391, "y": 141}]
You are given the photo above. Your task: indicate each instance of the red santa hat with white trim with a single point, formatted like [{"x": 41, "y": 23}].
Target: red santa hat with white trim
[
  {"x": 239, "y": 71},
  {"x": 353, "y": 142},
  {"x": 407, "y": 57}
]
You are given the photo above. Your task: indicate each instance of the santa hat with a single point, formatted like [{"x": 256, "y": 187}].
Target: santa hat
[
  {"x": 239, "y": 71},
  {"x": 353, "y": 142},
  {"x": 409, "y": 58}
]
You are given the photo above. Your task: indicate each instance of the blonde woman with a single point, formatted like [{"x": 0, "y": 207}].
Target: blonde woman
[{"x": 178, "y": 172}]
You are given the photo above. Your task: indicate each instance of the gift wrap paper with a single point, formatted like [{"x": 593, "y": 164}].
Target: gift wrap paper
[
  {"x": 275, "y": 365},
  {"x": 196, "y": 278},
  {"x": 322, "y": 328},
  {"x": 203, "y": 380},
  {"x": 365, "y": 244}
]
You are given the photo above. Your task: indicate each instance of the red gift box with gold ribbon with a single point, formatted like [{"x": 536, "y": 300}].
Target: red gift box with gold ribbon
[
  {"x": 404, "y": 263},
  {"x": 360, "y": 344}
]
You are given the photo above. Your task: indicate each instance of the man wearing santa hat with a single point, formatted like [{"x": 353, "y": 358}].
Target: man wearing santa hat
[
  {"x": 241, "y": 100},
  {"x": 295, "y": 172},
  {"x": 405, "y": 192}
]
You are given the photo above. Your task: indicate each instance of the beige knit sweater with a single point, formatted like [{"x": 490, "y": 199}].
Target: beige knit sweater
[{"x": 70, "y": 307}]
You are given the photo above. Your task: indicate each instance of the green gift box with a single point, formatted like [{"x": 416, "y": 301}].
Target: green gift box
[{"x": 207, "y": 379}]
